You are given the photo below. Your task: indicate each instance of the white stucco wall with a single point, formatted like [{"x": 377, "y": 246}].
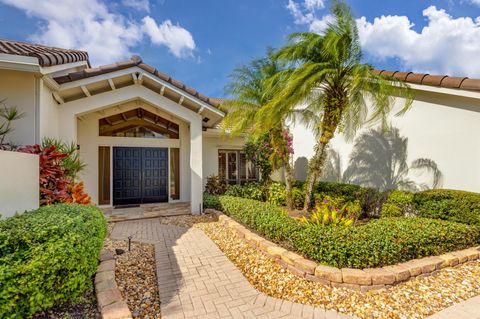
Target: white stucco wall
[
  {"x": 48, "y": 115},
  {"x": 89, "y": 141},
  {"x": 19, "y": 189},
  {"x": 441, "y": 127},
  {"x": 18, "y": 89}
]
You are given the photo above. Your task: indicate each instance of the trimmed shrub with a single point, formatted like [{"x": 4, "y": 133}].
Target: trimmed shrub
[
  {"x": 48, "y": 257},
  {"x": 398, "y": 204},
  {"x": 378, "y": 243},
  {"x": 453, "y": 205},
  {"x": 211, "y": 201},
  {"x": 254, "y": 191}
]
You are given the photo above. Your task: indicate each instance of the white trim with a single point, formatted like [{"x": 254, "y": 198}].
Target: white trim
[
  {"x": 85, "y": 91},
  {"x": 19, "y": 63},
  {"x": 62, "y": 67},
  {"x": 182, "y": 92},
  {"x": 112, "y": 85},
  {"x": 96, "y": 78},
  {"x": 444, "y": 90}
]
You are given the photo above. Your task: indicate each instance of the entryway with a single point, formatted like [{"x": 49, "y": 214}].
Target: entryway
[{"x": 140, "y": 175}]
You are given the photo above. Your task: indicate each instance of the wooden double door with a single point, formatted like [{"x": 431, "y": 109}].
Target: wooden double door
[{"x": 140, "y": 175}]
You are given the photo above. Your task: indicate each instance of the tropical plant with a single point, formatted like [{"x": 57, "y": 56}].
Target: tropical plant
[
  {"x": 334, "y": 211},
  {"x": 252, "y": 89},
  {"x": 258, "y": 151},
  {"x": 72, "y": 162},
  {"x": 379, "y": 159},
  {"x": 215, "y": 185},
  {"x": 78, "y": 194},
  {"x": 54, "y": 181},
  {"x": 7, "y": 116},
  {"x": 325, "y": 73}
]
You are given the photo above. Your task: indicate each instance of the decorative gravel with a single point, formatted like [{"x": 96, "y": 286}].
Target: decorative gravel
[
  {"x": 136, "y": 277},
  {"x": 417, "y": 298}
]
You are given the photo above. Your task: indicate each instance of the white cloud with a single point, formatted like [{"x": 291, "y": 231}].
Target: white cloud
[
  {"x": 178, "y": 40},
  {"x": 446, "y": 45},
  {"x": 89, "y": 25},
  {"x": 139, "y": 5},
  {"x": 304, "y": 13},
  {"x": 477, "y": 2}
]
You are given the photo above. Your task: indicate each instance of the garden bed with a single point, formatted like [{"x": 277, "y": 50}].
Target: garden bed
[
  {"x": 356, "y": 279},
  {"x": 417, "y": 298},
  {"x": 378, "y": 243}
]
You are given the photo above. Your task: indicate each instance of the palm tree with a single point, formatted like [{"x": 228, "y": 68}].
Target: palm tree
[
  {"x": 325, "y": 73},
  {"x": 252, "y": 89},
  {"x": 379, "y": 159},
  {"x": 7, "y": 115}
]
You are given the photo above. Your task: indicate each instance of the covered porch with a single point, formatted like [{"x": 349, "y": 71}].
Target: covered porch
[{"x": 140, "y": 136}]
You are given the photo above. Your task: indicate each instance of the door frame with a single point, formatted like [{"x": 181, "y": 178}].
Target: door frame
[
  {"x": 112, "y": 145},
  {"x": 141, "y": 158}
]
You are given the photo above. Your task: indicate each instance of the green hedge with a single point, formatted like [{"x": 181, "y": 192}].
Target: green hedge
[
  {"x": 452, "y": 205},
  {"x": 48, "y": 257},
  {"x": 380, "y": 242}
]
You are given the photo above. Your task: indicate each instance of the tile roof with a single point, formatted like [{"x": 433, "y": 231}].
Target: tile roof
[
  {"x": 445, "y": 81},
  {"x": 47, "y": 56},
  {"x": 136, "y": 61}
]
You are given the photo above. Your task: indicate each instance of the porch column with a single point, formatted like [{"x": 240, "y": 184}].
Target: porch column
[{"x": 196, "y": 166}]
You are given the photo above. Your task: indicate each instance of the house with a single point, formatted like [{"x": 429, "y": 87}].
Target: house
[{"x": 149, "y": 138}]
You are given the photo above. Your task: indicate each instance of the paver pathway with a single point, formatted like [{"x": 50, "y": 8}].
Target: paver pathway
[
  {"x": 468, "y": 309},
  {"x": 196, "y": 280}
]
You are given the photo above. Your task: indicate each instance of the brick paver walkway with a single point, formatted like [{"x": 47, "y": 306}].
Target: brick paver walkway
[
  {"x": 196, "y": 280},
  {"x": 468, "y": 309}
]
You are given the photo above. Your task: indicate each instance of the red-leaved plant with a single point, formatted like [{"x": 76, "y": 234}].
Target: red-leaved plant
[{"x": 54, "y": 182}]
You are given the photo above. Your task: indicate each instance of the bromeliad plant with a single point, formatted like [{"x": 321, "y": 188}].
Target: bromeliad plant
[{"x": 334, "y": 211}]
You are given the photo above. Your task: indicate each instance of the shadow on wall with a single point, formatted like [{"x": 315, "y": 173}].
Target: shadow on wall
[
  {"x": 300, "y": 169},
  {"x": 379, "y": 160}
]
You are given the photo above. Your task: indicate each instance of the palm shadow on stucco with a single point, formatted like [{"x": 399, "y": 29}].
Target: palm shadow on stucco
[{"x": 300, "y": 168}]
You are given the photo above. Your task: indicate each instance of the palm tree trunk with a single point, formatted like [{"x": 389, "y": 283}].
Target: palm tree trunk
[
  {"x": 315, "y": 167},
  {"x": 289, "y": 183}
]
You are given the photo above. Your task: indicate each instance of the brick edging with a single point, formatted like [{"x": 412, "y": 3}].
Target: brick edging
[
  {"x": 356, "y": 279},
  {"x": 109, "y": 299}
]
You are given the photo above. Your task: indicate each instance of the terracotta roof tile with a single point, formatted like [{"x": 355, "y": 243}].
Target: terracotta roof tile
[
  {"x": 415, "y": 78},
  {"x": 434, "y": 80},
  {"x": 135, "y": 61},
  {"x": 471, "y": 84},
  {"x": 453, "y": 82},
  {"x": 47, "y": 56},
  {"x": 402, "y": 75}
]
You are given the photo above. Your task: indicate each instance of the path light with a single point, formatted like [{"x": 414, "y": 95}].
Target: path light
[{"x": 129, "y": 242}]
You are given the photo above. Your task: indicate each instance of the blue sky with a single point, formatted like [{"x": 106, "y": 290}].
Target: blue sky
[{"x": 201, "y": 42}]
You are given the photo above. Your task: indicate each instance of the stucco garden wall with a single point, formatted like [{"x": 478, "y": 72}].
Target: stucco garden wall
[{"x": 19, "y": 188}]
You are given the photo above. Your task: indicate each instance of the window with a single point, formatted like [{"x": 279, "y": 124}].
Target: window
[
  {"x": 138, "y": 123},
  {"x": 104, "y": 175},
  {"x": 174, "y": 173},
  {"x": 234, "y": 168}
]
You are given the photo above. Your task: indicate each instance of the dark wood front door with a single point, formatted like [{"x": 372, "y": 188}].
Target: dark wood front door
[{"x": 140, "y": 175}]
